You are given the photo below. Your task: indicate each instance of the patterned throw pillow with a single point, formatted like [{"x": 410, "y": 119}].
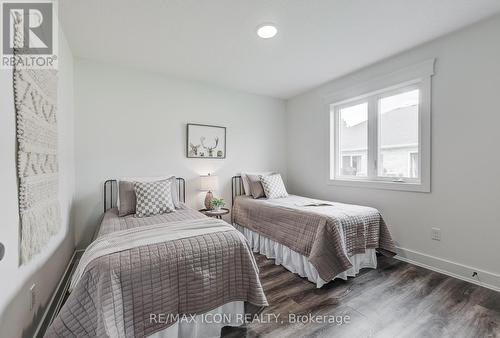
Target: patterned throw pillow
[
  {"x": 273, "y": 186},
  {"x": 153, "y": 198},
  {"x": 127, "y": 198}
]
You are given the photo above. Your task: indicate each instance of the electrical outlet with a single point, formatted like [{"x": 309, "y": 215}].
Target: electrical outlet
[
  {"x": 32, "y": 297},
  {"x": 436, "y": 234}
]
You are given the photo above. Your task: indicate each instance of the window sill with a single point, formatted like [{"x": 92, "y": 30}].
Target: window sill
[{"x": 386, "y": 185}]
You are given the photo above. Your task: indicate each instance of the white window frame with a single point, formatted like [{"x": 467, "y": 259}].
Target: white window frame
[{"x": 415, "y": 77}]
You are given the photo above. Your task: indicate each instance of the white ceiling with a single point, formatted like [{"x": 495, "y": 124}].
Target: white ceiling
[{"x": 214, "y": 41}]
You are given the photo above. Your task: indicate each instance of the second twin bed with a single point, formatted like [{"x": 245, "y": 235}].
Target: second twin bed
[{"x": 318, "y": 240}]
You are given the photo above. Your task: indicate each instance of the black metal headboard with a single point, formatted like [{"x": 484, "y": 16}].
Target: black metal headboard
[
  {"x": 237, "y": 188},
  {"x": 111, "y": 192}
]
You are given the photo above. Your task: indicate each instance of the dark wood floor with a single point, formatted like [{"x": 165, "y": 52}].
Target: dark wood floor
[{"x": 395, "y": 300}]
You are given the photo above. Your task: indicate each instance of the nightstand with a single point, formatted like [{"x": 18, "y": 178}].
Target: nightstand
[{"x": 213, "y": 213}]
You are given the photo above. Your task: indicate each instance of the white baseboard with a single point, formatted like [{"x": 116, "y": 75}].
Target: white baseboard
[
  {"x": 57, "y": 298},
  {"x": 486, "y": 279}
]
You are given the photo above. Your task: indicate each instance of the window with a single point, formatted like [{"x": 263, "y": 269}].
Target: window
[
  {"x": 398, "y": 133},
  {"x": 353, "y": 140},
  {"x": 382, "y": 139}
]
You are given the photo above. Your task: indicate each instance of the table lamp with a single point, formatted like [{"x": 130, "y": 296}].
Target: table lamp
[{"x": 208, "y": 183}]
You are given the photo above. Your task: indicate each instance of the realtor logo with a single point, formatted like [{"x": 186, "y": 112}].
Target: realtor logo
[{"x": 29, "y": 37}]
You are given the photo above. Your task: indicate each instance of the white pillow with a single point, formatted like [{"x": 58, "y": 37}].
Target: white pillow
[
  {"x": 273, "y": 186},
  {"x": 246, "y": 181}
]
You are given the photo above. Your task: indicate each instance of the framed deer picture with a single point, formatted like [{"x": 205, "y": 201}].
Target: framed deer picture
[{"x": 204, "y": 141}]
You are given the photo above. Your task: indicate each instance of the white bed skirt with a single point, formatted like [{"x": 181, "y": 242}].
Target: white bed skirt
[
  {"x": 206, "y": 325},
  {"x": 296, "y": 263}
]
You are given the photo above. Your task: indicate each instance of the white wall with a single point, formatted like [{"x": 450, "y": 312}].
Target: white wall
[
  {"x": 133, "y": 123},
  {"x": 465, "y": 197},
  {"x": 45, "y": 269}
]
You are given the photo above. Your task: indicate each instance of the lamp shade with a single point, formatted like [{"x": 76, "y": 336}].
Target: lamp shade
[{"x": 208, "y": 183}]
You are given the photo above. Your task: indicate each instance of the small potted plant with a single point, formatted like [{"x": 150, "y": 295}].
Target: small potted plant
[{"x": 217, "y": 204}]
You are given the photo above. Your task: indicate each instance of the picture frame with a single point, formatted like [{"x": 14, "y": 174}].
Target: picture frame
[{"x": 205, "y": 141}]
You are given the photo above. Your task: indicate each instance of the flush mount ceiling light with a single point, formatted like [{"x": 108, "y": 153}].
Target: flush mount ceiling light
[{"x": 267, "y": 30}]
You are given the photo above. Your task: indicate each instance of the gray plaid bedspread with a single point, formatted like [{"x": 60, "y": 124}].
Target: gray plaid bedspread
[
  {"x": 117, "y": 292},
  {"x": 326, "y": 235}
]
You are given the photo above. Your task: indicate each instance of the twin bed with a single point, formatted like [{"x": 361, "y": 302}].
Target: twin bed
[
  {"x": 318, "y": 240},
  {"x": 139, "y": 273}
]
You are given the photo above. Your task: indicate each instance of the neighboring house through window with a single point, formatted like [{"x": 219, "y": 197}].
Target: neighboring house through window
[{"x": 351, "y": 165}]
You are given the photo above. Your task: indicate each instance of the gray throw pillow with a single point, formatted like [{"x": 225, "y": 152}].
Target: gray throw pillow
[
  {"x": 256, "y": 189},
  {"x": 127, "y": 198},
  {"x": 153, "y": 198}
]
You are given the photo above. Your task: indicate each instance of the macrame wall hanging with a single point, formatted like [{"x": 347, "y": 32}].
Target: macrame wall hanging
[{"x": 35, "y": 94}]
